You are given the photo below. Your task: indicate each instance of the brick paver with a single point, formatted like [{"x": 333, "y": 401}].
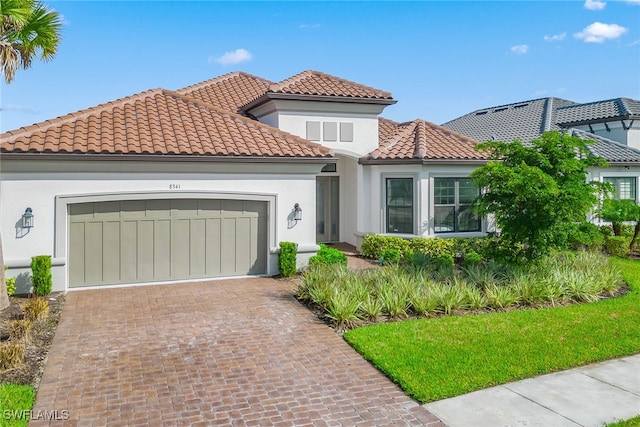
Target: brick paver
[{"x": 232, "y": 352}]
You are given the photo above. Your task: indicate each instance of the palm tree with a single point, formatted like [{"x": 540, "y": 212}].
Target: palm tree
[{"x": 28, "y": 29}]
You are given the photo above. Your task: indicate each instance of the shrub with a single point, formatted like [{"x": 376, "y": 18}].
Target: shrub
[
  {"x": 617, "y": 246},
  {"x": 19, "y": 329},
  {"x": 390, "y": 256},
  {"x": 11, "y": 355},
  {"x": 582, "y": 235},
  {"x": 373, "y": 245},
  {"x": 445, "y": 260},
  {"x": 35, "y": 309},
  {"x": 472, "y": 258},
  {"x": 328, "y": 256},
  {"x": 343, "y": 308},
  {"x": 287, "y": 259},
  {"x": 41, "y": 275},
  {"x": 11, "y": 286},
  {"x": 433, "y": 247}
]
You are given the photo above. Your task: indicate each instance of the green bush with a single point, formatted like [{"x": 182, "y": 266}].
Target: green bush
[
  {"x": 433, "y": 247},
  {"x": 11, "y": 286},
  {"x": 617, "y": 246},
  {"x": 472, "y": 258},
  {"x": 287, "y": 259},
  {"x": 390, "y": 256},
  {"x": 41, "y": 275},
  {"x": 328, "y": 256},
  {"x": 445, "y": 260},
  {"x": 373, "y": 245},
  {"x": 579, "y": 236}
]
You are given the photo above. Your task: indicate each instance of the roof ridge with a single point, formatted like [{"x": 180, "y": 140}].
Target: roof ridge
[
  {"x": 545, "y": 99},
  {"x": 420, "y": 140},
  {"x": 221, "y": 78},
  {"x": 389, "y": 121},
  {"x": 450, "y": 132},
  {"x": 277, "y": 87},
  {"x": 398, "y": 136},
  {"x": 77, "y": 115}
]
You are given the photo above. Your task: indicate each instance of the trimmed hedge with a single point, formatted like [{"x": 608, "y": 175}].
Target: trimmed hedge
[
  {"x": 328, "y": 256},
  {"x": 287, "y": 259},
  {"x": 41, "y": 275}
]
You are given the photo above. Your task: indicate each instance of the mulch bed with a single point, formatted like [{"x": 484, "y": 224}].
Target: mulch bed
[{"x": 38, "y": 346}]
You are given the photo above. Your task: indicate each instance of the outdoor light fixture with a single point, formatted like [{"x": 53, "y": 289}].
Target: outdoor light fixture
[
  {"x": 297, "y": 212},
  {"x": 27, "y": 218}
]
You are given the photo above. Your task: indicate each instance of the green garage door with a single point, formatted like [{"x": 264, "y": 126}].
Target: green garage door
[{"x": 136, "y": 241}]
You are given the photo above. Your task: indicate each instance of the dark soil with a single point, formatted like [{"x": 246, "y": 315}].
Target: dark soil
[{"x": 37, "y": 347}]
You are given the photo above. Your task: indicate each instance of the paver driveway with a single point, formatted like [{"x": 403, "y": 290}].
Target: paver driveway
[{"x": 232, "y": 352}]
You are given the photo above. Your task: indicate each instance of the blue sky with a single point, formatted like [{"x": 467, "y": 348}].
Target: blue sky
[{"x": 439, "y": 59}]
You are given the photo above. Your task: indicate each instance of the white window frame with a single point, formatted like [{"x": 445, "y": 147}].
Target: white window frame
[{"x": 385, "y": 219}]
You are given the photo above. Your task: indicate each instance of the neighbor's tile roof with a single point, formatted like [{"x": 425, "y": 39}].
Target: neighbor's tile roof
[
  {"x": 599, "y": 110},
  {"x": 228, "y": 92},
  {"x": 312, "y": 82},
  {"x": 422, "y": 140},
  {"x": 521, "y": 120},
  {"x": 609, "y": 150},
  {"x": 158, "y": 122}
]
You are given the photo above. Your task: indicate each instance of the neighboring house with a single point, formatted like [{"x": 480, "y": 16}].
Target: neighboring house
[
  {"x": 612, "y": 128},
  {"x": 206, "y": 181}
]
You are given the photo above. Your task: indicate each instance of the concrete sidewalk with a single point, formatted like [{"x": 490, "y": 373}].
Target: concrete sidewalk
[{"x": 592, "y": 395}]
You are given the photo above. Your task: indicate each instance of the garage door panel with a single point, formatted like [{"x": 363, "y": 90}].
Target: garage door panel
[
  {"x": 159, "y": 240},
  {"x": 93, "y": 252},
  {"x": 198, "y": 247},
  {"x": 145, "y": 263},
  {"x": 181, "y": 248},
  {"x": 129, "y": 252},
  {"x": 213, "y": 239},
  {"x": 162, "y": 249},
  {"x": 111, "y": 251},
  {"x": 76, "y": 252},
  {"x": 158, "y": 209}
]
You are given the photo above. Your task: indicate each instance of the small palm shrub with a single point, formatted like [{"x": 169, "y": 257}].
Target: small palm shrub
[
  {"x": 11, "y": 355},
  {"x": 35, "y": 309},
  {"x": 617, "y": 245},
  {"x": 287, "y": 259},
  {"x": 41, "y": 275}
]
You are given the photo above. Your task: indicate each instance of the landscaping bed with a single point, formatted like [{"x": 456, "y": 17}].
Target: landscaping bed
[{"x": 39, "y": 343}]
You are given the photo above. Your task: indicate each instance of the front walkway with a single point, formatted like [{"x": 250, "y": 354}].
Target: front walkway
[{"x": 229, "y": 352}]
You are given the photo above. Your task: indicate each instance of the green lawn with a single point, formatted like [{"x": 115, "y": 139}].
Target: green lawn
[
  {"x": 15, "y": 402},
  {"x": 433, "y": 359},
  {"x": 633, "y": 422}
]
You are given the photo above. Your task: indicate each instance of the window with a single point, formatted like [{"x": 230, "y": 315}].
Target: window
[
  {"x": 452, "y": 213},
  {"x": 625, "y": 188},
  {"x": 399, "y": 206}
]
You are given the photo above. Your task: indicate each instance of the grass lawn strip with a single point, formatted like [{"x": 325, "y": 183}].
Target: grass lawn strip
[
  {"x": 15, "y": 403},
  {"x": 433, "y": 359},
  {"x": 632, "y": 422}
]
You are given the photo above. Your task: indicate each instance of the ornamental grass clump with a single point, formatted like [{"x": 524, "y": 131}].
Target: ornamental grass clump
[
  {"x": 11, "y": 354},
  {"x": 19, "y": 329},
  {"x": 35, "y": 309}
]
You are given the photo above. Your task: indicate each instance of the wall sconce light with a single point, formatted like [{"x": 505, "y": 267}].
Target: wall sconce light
[
  {"x": 27, "y": 218},
  {"x": 297, "y": 212}
]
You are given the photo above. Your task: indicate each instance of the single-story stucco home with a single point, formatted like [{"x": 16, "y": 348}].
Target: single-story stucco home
[{"x": 206, "y": 181}]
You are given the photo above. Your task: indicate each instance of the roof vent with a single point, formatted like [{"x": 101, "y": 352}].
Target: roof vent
[
  {"x": 520, "y": 105},
  {"x": 497, "y": 110},
  {"x": 479, "y": 113}
]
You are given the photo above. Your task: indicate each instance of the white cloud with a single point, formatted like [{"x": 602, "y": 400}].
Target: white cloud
[
  {"x": 555, "y": 37},
  {"x": 599, "y": 32},
  {"x": 519, "y": 49},
  {"x": 305, "y": 26},
  {"x": 19, "y": 108},
  {"x": 234, "y": 57},
  {"x": 594, "y": 4}
]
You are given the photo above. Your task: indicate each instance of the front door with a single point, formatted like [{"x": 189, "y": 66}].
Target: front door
[{"x": 327, "y": 209}]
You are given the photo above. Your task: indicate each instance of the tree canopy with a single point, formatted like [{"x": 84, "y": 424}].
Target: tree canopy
[
  {"x": 538, "y": 189},
  {"x": 28, "y": 29}
]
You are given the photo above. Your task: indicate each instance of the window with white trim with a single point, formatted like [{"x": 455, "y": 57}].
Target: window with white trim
[
  {"x": 624, "y": 187},
  {"x": 452, "y": 202},
  {"x": 399, "y": 205}
]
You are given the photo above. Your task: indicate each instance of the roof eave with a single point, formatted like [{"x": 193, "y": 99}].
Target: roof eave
[
  {"x": 167, "y": 157},
  {"x": 598, "y": 120},
  {"x": 269, "y": 96},
  {"x": 367, "y": 161}
]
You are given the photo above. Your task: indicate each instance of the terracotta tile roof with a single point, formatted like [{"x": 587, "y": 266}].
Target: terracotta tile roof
[
  {"x": 316, "y": 83},
  {"x": 420, "y": 140},
  {"x": 158, "y": 122},
  {"x": 228, "y": 92}
]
